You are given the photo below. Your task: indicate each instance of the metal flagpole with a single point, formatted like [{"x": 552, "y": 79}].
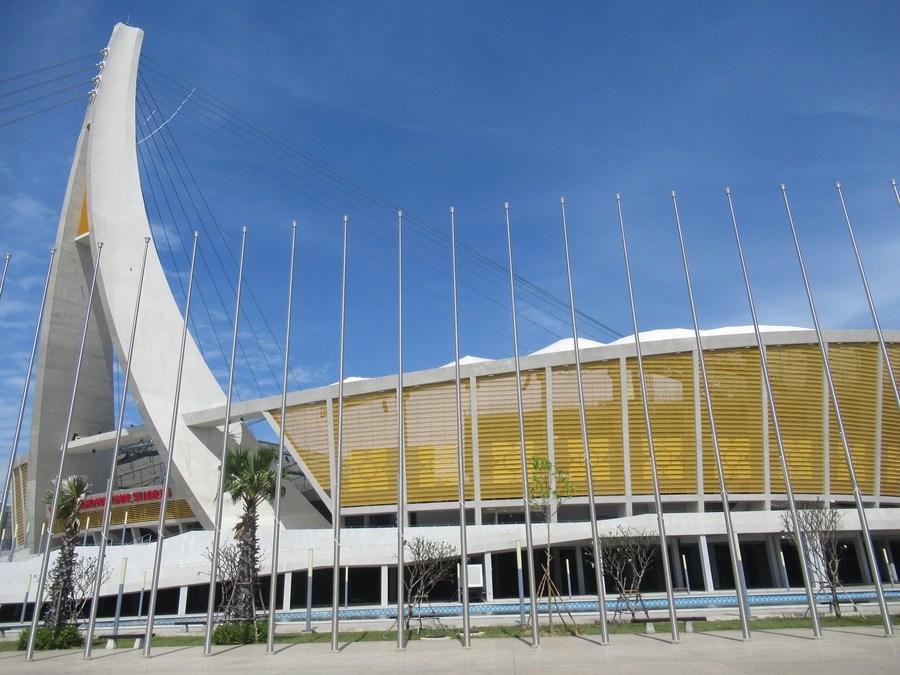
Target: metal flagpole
[
  {"x": 884, "y": 350},
  {"x": 832, "y": 390},
  {"x": 111, "y": 481},
  {"x": 276, "y": 536},
  {"x": 164, "y": 502},
  {"x": 529, "y": 539},
  {"x": 336, "y": 474},
  {"x": 220, "y": 498},
  {"x": 42, "y": 577},
  {"x": 12, "y": 544},
  {"x": 664, "y": 550},
  {"x": 401, "y": 443},
  {"x": 798, "y": 532},
  {"x": 34, "y": 346},
  {"x": 734, "y": 546},
  {"x": 5, "y": 268},
  {"x": 460, "y": 451},
  {"x": 896, "y": 194},
  {"x": 595, "y": 538}
]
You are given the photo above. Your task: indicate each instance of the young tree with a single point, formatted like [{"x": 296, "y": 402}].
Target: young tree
[
  {"x": 627, "y": 555},
  {"x": 548, "y": 488},
  {"x": 85, "y": 575},
  {"x": 63, "y": 603},
  {"x": 250, "y": 477},
  {"x": 820, "y": 527},
  {"x": 430, "y": 562}
]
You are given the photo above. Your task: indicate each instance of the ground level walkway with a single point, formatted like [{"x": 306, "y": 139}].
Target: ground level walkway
[{"x": 843, "y": 650}]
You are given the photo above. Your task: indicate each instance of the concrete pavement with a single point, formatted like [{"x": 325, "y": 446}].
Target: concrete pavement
[{"x": 843, "y": 650}]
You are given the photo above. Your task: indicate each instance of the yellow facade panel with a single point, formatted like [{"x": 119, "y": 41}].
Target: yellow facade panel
[
  {"x": 603, "y": 416},
  {"x": 735, "y": 385},
  {"x": 20, "y": 482},
  {"x": 83, "y": 226},
  {"x": 670, "y": 393},
  {"x": 370, "y": 457},
  {"x": 499, "y": 443},
  {"x": 890, "y": 428},
  {"x": 307, "y": 430},
  {"x": 144, "y": 512},
  {"x": 854, "y": 368},
  {"x": 797, "y": 385},
  {"x": 432, "y": 460}
]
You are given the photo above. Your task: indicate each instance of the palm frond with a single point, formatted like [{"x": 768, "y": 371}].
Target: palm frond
[
  {"x": 250, "y": 474},
  {"x": 72, "y": 493}
]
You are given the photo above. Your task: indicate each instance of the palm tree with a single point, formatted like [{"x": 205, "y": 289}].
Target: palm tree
[
  {"x": 72, "y": 493},
  {"x": 250, "y": 478}
]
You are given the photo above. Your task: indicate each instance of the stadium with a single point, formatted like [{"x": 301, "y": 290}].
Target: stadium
[
  {"x": 622, "y": 484},
  {"x": 104, "y": 205}
]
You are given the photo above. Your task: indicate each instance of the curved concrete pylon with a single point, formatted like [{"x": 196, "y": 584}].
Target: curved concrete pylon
[{"x": 104, "y": 203}]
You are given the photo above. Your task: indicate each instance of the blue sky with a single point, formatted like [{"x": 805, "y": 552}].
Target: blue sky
[{"x": 472, "y": 104}]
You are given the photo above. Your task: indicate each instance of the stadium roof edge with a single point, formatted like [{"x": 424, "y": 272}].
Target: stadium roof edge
[{"x": 652, "y": 342}]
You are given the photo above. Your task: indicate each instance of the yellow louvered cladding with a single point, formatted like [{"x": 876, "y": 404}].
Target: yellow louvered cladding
[
  {"x": 145, "y": 512},
  {"x": 603, "y": 415},
  {"x": 797, "y": 384},
  {"x": 854, "y": 368},
  {"x": 370, "y": 461},
  {"x": 83, "y": 225},
  {"x": 429, "y": 416},
  {"x": 307, "y": 431},
  {"x": 735, "y": 383},
  {"x": 20, "y": 481},
  {"x": 499, "y": 445},
  {"x": 670, "y": 393},
  {"x": 890, "y": 428},
  {"x": 370, "y": 431}
]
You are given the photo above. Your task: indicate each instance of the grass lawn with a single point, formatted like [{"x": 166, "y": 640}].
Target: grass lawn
[{"x": 512, "y": 631}]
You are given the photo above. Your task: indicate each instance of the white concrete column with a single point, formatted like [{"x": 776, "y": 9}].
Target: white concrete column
[
  {"x": 779, "y": 573},
  {"x": 182, "y": 600},
  {"x": 488, "y": 577},
  {"x": 384, "y": 585},
  {"x": 675, "y": 554},
  {"x": 286, "y": 592},
  {"x": 476, "y": 460},
  {"x": 863, "y": 559},
  {"x": 579, "y": 569},
  {"x": 705, "y": 564},
  {"x": 698, "y": 427},
  {"x": 626, "y": 451}
]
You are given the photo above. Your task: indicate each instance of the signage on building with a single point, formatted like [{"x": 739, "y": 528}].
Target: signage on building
[{"x": 133, "y": 497}]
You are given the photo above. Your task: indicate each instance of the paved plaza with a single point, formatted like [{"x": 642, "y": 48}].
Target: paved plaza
[{"x": 844, "y": 650}]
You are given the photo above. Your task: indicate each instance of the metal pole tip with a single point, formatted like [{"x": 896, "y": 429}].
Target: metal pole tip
[
  {"x": 728, "y": 191},
  {"x": 400, "y": 213},
  {"x": 505, "y": 205},
  {"x": 782, "y": 187},
  {"x": 562, "y": 200},
  {"x": 244, "y": 229},
  {"x": 672, "y": 193},
  {"x": 838, "y": 185},
  {"x": 452, "y": 209}
]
